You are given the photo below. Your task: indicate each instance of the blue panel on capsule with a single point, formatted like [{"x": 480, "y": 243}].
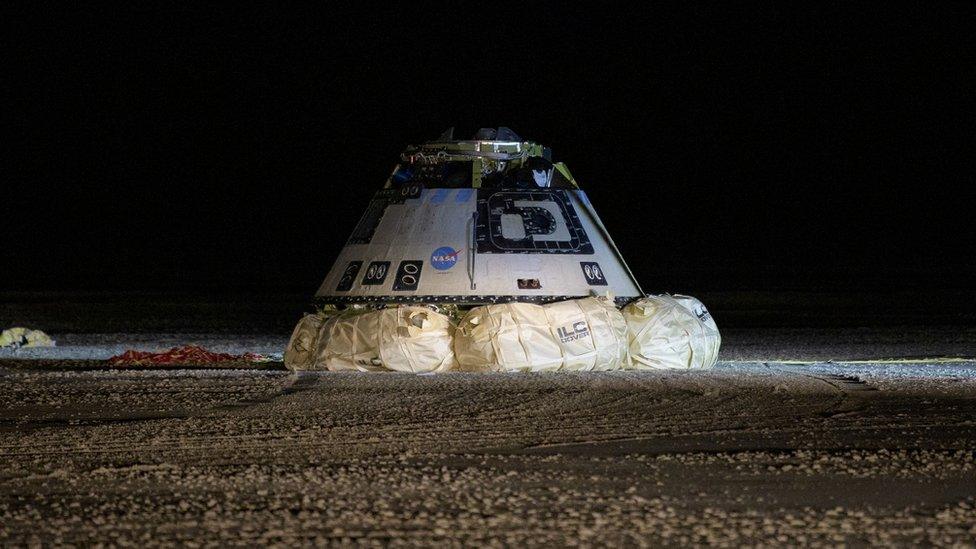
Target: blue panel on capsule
[
  {"x": 583, "y": 198},
  {"x": 439, "y": 196},
  {"x": 463, "y": 195}
]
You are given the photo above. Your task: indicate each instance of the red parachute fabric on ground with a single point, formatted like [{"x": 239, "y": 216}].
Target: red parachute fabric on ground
[{"x": 185, "y": 355}]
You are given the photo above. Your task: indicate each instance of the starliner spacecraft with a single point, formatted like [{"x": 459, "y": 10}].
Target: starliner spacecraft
[{"x": 479, "y": 221}]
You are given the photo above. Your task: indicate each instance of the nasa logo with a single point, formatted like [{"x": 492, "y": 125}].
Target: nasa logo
[{"x": 444, "y": 258}]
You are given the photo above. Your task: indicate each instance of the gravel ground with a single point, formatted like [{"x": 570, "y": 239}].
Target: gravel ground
[
  {"x": 749, "y": 453},
  {"x": 774, "y": 446},
  {"x": 738, "y": 344}
]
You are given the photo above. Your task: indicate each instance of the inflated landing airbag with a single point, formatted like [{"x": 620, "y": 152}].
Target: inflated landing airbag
[
  {"x": 575, "y": 335},
  {"x": 671, "y": 332},
  {"x": 300, "y": 353},
  {"x": 403, "y": 339},
  {"x": 654, "y": 332}
]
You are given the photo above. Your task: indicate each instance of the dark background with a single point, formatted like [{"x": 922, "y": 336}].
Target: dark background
[{"x": 198, "y": 148}]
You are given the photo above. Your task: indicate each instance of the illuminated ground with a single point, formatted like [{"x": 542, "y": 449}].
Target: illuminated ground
[
  {"x": 758, "y": 450},
  {"x": 750, "y": 452}
]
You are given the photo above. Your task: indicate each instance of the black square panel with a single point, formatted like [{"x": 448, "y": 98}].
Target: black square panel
[
  {"x": 349, "y": 276},
  {"x": 408, "y": 276},
  {"x": 593, "y": 273},
  {"x": 376, "y": 273},
  {"x": 537, "y": 221}
]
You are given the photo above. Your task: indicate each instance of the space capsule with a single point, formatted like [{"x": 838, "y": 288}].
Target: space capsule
[{"x": 470, "y": 222}]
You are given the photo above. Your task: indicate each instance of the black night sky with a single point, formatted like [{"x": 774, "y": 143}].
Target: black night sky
[{"x": 210, "y": 148}]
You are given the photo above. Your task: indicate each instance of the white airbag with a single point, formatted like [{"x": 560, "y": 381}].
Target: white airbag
[
  {"x": 575, "y": 335},
  {"x": 403, "y": 339},
  {"x": 671, "y": 332}
]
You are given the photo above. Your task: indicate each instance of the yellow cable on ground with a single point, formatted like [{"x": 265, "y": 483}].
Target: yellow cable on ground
[{"x": 933, "y": 360}]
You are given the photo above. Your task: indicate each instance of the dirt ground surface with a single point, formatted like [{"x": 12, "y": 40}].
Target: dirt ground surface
[
  {"x": 840, "y": 433},
  {"x": 750, "y": 453}
]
